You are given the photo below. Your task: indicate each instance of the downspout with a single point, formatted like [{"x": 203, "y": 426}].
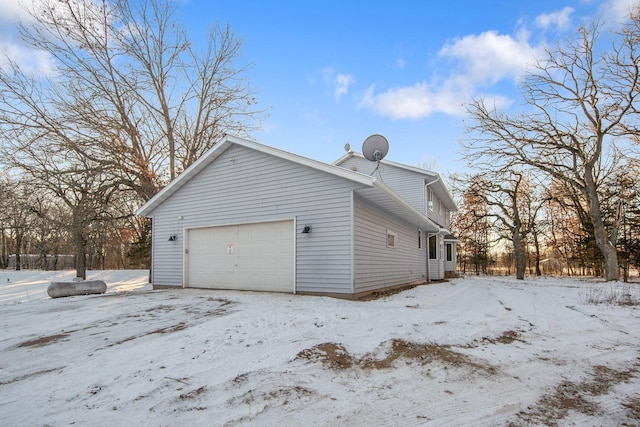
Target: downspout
[
  {"x": 428, "y": 259},
  {"x": 426, "y": 184}
]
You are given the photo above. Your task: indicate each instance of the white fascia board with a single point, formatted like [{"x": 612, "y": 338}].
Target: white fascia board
[
  {"x": 433, "y": 176},
  {"x": 442, "y": 192},
  {"x": 406, "y": 210},
  {"x": 415, "y": 169}
]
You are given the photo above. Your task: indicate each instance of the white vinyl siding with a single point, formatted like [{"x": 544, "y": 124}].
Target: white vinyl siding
[
  {"x": 245, "y": 186},
  {"x": 407, "y": 184},
  {"x": 375, "y": 264}
]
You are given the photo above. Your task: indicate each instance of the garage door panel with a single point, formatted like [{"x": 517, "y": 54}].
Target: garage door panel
[{"x": 250, "y": 257}]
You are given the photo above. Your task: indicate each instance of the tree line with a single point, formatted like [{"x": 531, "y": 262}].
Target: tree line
[
  {"x": 559, "y": 178},
  {"x": 129, "y": 99}
]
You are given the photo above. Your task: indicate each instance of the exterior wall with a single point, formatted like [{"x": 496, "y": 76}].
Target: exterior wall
[
  {"x": 377, "y": 266},
  {"x": 439, "y": 214},
  {"x": 437, "y": 265},
  {"x": 406, "y": 184},
  {"x": 246, "y": 186}
]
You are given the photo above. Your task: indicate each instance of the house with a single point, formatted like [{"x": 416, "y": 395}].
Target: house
[{"x": 252, "y": 217}]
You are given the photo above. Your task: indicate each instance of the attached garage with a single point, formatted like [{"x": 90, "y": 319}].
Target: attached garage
[
  {"x": 246, "y": 216},
  {"x": 257, "y": 257}
]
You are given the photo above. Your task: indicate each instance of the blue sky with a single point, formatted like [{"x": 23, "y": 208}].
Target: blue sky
[{"x": 331, "y": 72}]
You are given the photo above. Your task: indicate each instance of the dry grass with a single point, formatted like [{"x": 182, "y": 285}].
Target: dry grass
[{"x": 623, "y": 294}]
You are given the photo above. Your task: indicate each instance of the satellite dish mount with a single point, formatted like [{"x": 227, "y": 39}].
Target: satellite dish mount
[{"x": 375, "y": 148}]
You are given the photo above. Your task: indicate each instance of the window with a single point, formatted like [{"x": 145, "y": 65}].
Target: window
[
  {"x": 391, "y": 239},
  {"x": 433, "y": 247},
  {"x": 430, "y": 198},
  {"x": 449, "y": 247},
  {"x": 419, "y": 239}
]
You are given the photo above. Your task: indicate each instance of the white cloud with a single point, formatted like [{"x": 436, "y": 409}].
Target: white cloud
[
  {"x": 11, "y": 49},
  {"x": 560, "y": 19},
  {"x": 338, "y": 83},
  {"x": 412, "y": 102},
  {"x": 479, "y": 62},
  {"x": 489, "y": 57},
  {"x": 12, "y": 10},
  {"x": 617, "y": 11},
  {"x": 33, "y": 62},
  {"x": 342, "y": 82}
]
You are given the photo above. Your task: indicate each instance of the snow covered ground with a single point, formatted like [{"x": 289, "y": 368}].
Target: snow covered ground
[{"x": 472, "y": 351}]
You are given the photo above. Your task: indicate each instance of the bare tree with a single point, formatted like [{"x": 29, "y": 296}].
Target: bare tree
[
  {"x": 472, "y": 226},
  {"x": 17, "y": 215},
  {"x": 130, "y": 102},
  {"x": 511, "y": 208},
  {"x": 578, "y": 103},
  {"x": 129, "y": 89},
  {"x": 85, "y": 188},
  {"x": 622, "y": 199}
]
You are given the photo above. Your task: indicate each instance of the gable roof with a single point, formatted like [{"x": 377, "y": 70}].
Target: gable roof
[
  {"x": 430, "y": 178},
  {"x": 370, "y": 187}
]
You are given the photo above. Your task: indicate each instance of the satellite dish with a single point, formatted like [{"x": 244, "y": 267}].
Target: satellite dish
[
  {"x": 347, "y": 147},
  {"x": 375, "y": 147}
]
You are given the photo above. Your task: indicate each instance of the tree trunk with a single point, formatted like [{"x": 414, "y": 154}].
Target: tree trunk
[
  {"x": 81, "y": 255},
  {"x": 520, "y": 255},
  {"x": 18, "y": 247},
  {"x": 603, "y": 242},
  {"x": 536, "y": 242},
  {"x": 3, "y": 250}
]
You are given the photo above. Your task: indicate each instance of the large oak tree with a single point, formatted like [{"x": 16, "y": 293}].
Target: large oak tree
[{"x": 580, "y": 101}]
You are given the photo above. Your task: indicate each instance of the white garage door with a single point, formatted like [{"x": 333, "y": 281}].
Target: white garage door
[{"x": 257, "y": 257}]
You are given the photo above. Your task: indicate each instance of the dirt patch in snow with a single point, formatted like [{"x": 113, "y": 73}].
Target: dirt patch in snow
[
  {"x": 570, "y": 396},
  {"x": 335, "y": 356},
  {"x": 633, "y": 408},
  {"x": 42, "y": 341},
  {"x": 507, "y": 337}
]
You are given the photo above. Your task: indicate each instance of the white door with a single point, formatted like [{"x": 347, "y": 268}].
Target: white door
[{"x": 256, "y": 257}]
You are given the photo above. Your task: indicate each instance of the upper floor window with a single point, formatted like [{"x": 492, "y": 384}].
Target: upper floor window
[{"x": 430, "y": 199}]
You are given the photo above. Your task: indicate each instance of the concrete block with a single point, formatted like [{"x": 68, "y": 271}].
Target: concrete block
[{"x": 67, "y": 289}]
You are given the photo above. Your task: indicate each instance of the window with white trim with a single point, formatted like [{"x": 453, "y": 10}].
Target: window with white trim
[
  {"x": 391, "y": 239},
  {"x": 430, "y": 199},
  {"x": 419, "y": 238},
  {"x": 433, "y": 247}
]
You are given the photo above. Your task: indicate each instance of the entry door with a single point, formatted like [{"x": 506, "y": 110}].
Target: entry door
[{"x": 257, "y": 257}]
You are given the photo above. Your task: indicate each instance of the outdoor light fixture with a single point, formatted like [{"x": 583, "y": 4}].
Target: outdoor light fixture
[
  {"x": 173, "y": 238},
  {"x": 306, "y": 229}
]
